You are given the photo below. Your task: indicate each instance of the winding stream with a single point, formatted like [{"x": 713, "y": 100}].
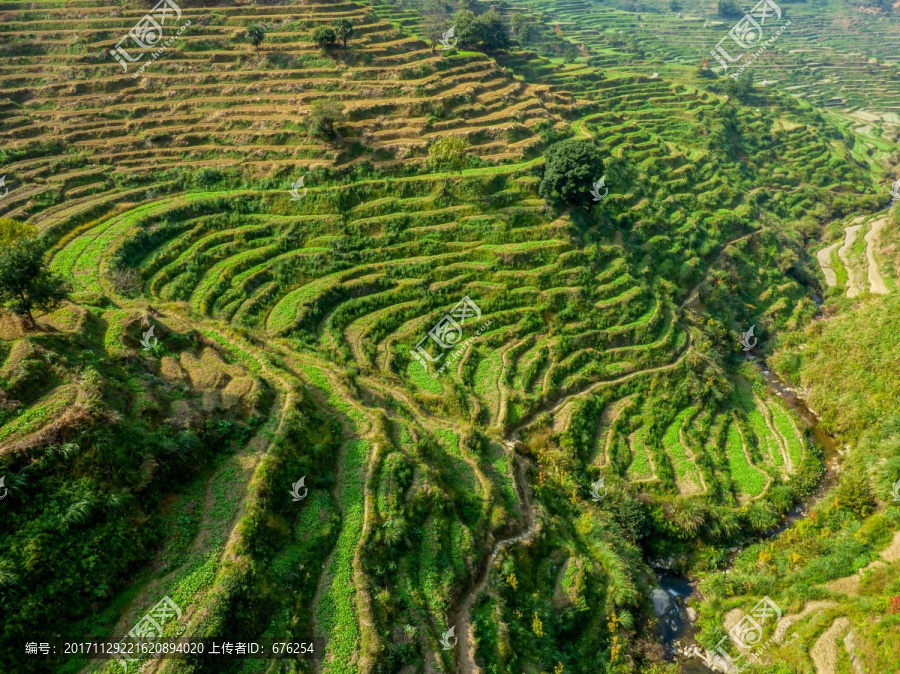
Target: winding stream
[{"x": 675, "y": 629}]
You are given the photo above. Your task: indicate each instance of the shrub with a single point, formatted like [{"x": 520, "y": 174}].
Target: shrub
[
  {"x": 729, "y": 9},
  {"x": 854, "y": 494},
  {"x": 13, "y": 230},
  {"x": 324, "y": 36},
  {"x": 324, "y": 114},
  {"x": 448, "y": 154}
]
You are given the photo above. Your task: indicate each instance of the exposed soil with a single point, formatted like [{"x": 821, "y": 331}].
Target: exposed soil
[
  {"x": 824, "y": 258},
  {"x": 850, "y": 233},
  {"x": 824, "y": 652},
  {"x": 876, "y": 282}
]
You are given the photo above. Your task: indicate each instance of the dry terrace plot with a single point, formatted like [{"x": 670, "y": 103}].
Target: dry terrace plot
[{"x": 209, "y": 100}]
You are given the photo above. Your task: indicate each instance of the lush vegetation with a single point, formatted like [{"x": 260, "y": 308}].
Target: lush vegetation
[{"x": 478, "y": 274}]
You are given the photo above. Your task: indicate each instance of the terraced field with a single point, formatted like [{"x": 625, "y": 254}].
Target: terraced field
[{"x": 456, "y": 364}]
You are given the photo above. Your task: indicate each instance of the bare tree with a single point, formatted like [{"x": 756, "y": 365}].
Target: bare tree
[{"x": 436, "y": 20}]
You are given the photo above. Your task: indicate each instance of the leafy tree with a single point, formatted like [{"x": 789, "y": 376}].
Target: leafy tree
[
  {"x": 571, "y": 168},
  {"x": 448, "y": 154},
  {"x": 488, "y": 31},
  {"x": 324, "y": 36},
  {"x": 25, "y": 282},
  {"x": 739, "y": 87},
  {"x": 13, "y": 230},
  {"x": 256, "y": 34},
  {"x": 516, "y": 21},
  {"x": 674, "y": 5},
  {"x": 324, "y": 114},
  {"x": 729, "y": 9},
  {"x": 494, "y": 31},
  {"x": 343, "y": 29},
  {"x": 528, "y": 33}
]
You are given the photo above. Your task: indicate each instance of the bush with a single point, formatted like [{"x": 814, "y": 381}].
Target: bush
[
  {"x": 729, "y": 9},
  {"x": 324, "y": 36},
  {"x": 854, "y": 494},
  {"x": 322, "y": 118},
  {"x": 448, "y": 154},
  {"x": 13, "y": 230}
]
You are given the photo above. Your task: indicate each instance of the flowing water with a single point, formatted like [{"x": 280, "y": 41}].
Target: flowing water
[{"x": 675, "y": 629}]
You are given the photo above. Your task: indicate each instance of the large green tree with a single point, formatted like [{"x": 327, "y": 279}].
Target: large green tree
[
  {"x": 571, "y": 170},
  {"x": 25, "y": 282},
  {"x": 488, "y": 31}
]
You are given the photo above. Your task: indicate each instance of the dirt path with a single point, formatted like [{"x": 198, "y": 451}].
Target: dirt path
[
  {"x": 824, "y": 652},
  {"x": 850, "y": 584},
  {"x": 785, "y": 622},
  {"x": 466, "y": 658},
  {"x": 605, "y": 427},
  {"x": 694, "y": 295},
  {"x": 824, "y": 258},
  {"x": 691, "y": 456},
  {"x": 552, "y": 408},
  {"x": 876, "y": 282},
  {"x": 850, "y": 234}
]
